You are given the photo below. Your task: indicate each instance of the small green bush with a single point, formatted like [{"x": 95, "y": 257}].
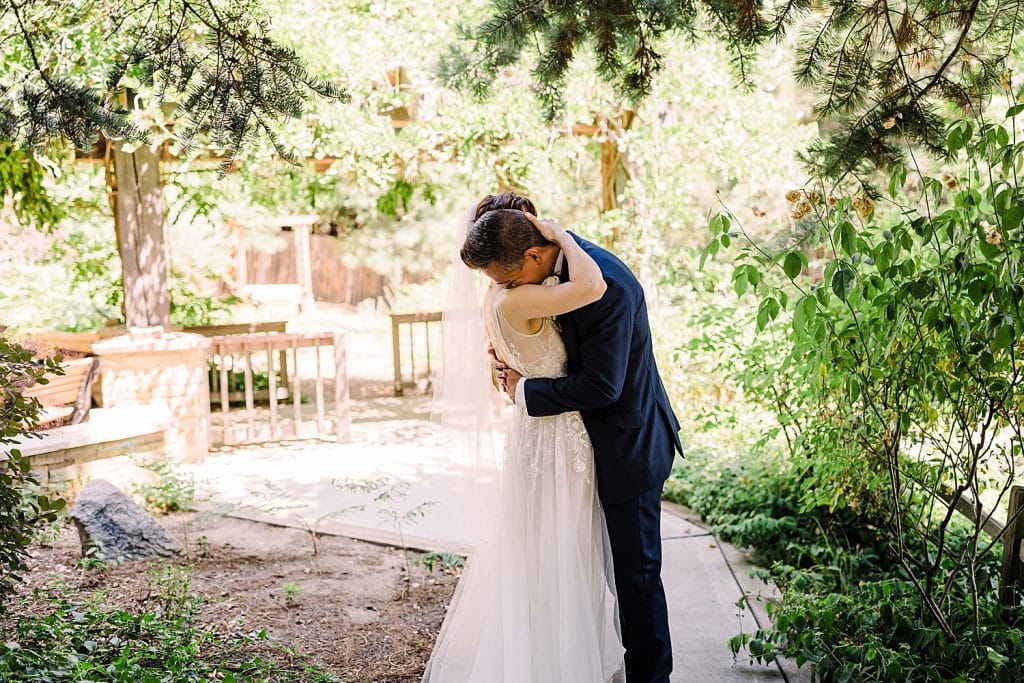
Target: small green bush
[
  {"x": 23, "y": 506},
  {"x": 89, "y": 640},
  {"x": 171, "y": 492},
  {"x": 847, "y": 606}
]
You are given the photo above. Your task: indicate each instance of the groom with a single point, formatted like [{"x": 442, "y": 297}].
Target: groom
[{"x": 613, "y": 382}]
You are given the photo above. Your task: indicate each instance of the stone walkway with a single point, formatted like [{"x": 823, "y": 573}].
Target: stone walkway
[{"x": 315, "y": 485}]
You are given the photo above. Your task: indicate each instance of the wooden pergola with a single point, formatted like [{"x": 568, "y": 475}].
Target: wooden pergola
[{"x": 136, "y": 199}]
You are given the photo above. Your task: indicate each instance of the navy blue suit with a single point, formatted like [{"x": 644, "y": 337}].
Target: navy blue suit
[{"x": 613, "y": 382}]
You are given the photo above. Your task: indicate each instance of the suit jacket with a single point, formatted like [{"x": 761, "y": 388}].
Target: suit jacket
[{"x": 613, "y": 381}]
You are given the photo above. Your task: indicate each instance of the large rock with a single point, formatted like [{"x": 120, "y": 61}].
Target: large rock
[{"x": 117, "y": 526}]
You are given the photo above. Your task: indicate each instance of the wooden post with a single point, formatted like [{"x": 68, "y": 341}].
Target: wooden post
[
  {"x": 412, "y": 353},
  {"x": 613, "y": 169},
  {"x": 139, "y": 221},
  {"x": 320, "y": 431},
  {"x": 303, "y": 261},
  {"x": 250, "y": 407},
  {"x": 609, "y": 162},
  {"x": 225, "y": 407},
  {"x": 342, "y": 413},
  {"x": 272, "y": 378},
  {"x": 1012, "y": 582},
  {"x": 396, "y": 349},
  {"x": 426, "y": 335},
  {"x": 283, "y": 361},
  {"x": 296, "y": 389}
]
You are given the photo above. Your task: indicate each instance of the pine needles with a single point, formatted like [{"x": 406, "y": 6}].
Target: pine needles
[
  {"x": 886, "y": 73},
  {"x": 212, "y": 61}
]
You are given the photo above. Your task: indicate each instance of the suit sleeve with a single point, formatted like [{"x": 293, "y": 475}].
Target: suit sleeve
[{"x": 606, "y": 331}]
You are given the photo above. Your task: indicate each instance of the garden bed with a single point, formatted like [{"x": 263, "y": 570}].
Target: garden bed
[{"x": 344, "y": 609}]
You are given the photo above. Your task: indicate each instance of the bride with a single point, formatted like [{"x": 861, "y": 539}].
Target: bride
[{"x": 536, "y": 602}]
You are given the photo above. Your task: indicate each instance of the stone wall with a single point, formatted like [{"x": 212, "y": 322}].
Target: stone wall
[{"x": 149, "y": 366}]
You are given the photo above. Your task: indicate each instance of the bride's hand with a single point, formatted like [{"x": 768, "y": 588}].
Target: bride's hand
[{"x": 548, "y": 229}]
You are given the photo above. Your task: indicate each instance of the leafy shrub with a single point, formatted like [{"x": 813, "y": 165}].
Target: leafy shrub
[
  {"x": 171, "y": 492},
  {"x": 898, "y": 332},
  {"x": 847, "y": 606},
  {"x": 90, "y": 640},
  {"x": 95, "y": 270},
  {"x": 23, "y": 506}
]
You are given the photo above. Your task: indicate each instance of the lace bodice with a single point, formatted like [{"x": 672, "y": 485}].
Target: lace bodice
[
  {"x": 531, "y": 355},
  {"x": 541, "y": 354}
]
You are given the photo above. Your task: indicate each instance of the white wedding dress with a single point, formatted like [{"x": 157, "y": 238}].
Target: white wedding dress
[{"x": 536, "y": 603}]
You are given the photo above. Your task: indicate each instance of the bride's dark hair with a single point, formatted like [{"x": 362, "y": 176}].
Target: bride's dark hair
[
  {"x": 505, "y": 200},
  {"x": 501, "y": 233}
]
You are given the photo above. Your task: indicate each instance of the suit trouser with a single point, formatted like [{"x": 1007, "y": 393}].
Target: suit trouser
[{"x": 634, "y": 528}]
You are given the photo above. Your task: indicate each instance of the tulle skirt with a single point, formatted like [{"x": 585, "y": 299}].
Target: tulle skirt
[{"x": 536, "y": 602}]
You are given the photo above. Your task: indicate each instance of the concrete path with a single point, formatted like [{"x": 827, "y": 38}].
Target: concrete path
[{"x": 315, "y": 485}]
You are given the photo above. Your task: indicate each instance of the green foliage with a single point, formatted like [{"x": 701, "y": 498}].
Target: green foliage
[
  {"x": 91, "y": 640},
  {"x": 171, "y": 492},
  {"x": 755, "y": 502},
  {"x": 898, "y": 384},
  {"x": 95, "y": 271},
  {"x": 75, "y": 71},
  {"x": 455, "y": 149},
  {"x": 447, "y": 562},
  {"x": 190, "y": 306},
  {"x": 883, "y": 74},
  {"x": 291, "y": 592},
  {"x": 847, "y": 607},
  {"x": 22, "y": 185},
  {"x": 23, "y": 506},
  {"x": 624, "y": 38},
  {"x": 874, "y": 631}
]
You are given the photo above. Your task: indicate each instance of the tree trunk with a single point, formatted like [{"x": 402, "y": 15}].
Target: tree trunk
[
  {"x": 614, "y": 175},
  {"x": 139, "y": 220}
]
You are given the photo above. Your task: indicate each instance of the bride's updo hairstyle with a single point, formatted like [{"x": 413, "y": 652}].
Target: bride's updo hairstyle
[
  {"x": 501, "y": 233},
  {"x": 505, "y": 200}
]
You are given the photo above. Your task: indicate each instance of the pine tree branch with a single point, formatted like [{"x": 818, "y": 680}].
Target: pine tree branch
[{"x": 971, "y": 12}]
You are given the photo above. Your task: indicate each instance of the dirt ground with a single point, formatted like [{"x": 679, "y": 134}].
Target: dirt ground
[{"x": 345, "y": 607}]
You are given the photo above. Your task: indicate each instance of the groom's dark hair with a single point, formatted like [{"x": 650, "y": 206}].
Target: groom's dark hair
[{"x": 500, "y": 232}]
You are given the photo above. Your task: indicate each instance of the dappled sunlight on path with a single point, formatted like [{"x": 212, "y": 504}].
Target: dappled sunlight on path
[{"x": 317, "y": 484}]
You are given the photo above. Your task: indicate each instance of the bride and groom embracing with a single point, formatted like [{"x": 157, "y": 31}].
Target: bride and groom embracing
[{"x": 566, "y": 586}]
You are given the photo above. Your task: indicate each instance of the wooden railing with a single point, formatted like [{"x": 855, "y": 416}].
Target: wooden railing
[
  {"x": 1011, "y": 534},
  {"x": 244, "y": 351},
  {"x": 232, "y": 329},
  {"x": 410, "y": 320},
  {"x": 83, "y": 341}
]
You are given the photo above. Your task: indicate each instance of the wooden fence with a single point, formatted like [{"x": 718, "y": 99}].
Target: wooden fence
[
  {"x": 313, "y": 261},
  {"x": 410, "y": 321},
  {"x": 255, "y": 352}
]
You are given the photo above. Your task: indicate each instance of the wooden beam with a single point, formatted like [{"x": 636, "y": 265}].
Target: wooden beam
[{"x": 973, "y": 511}]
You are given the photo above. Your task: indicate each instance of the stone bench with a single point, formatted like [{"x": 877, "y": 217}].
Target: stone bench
[{"x": 60, "y": 456}]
